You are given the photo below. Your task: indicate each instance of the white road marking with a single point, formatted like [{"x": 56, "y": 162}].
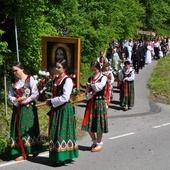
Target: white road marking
[
  {"x": 15, "y": 162},
  {"x": 10, "y": 163},
  {"x": 120, "y": 136},
  {"x": 166, "y": 124}
]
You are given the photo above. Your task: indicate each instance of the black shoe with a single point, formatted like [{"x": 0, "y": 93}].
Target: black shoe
[
  {"x": 35, "y": 154},
  {"x": 58, "y": 163},
  {"x": 69, "y": 161}
]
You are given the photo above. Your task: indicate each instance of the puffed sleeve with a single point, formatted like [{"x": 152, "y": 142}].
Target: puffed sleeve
[
  {"x": 11, "y": 96},
  {"x": 112, "y": 77},
  {"x": 120, "y": 75},
  {"x": 98, "y": 86},
  {"x": 65, "y": 97},
  {"x": 131, "y": 77}
]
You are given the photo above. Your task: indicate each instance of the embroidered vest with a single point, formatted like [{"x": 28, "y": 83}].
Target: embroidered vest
[
  {"x": 59, "y": 90},
  {"x": 22, "y": 92}
]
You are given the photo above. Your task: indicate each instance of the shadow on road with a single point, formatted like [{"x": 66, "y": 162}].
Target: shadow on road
[
  {"x": 115, "y": 107},
  {"x": 84, "y": 148},
  {"x": 115, "y": 102},
  {"x": 41, "y": 160},
  {"x": 81, "y": 105},
  {"x": 47, "y": 162}
]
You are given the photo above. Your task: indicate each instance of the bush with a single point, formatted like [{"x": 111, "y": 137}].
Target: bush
[{"x": 4, "y": 136}]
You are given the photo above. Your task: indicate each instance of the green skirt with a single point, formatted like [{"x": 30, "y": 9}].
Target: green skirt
[
  {"x": 62, "y": 134},
  {"x": 25, "y": 130},
  {"x": 129, "y": 98},
  {"x": 98, "y": 119}
]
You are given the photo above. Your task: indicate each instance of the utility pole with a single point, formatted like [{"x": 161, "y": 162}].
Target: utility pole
[
  {"x": 16, "y": 38},
  {"x": 6, "y": 111}
]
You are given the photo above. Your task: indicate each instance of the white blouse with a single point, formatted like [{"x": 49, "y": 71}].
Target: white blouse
[
  {"x": 65, "y": 97},
  {"x": 111, "y": 74},
  {"x": 96, "y": 86},
  {"x": 132, "y": 76}
]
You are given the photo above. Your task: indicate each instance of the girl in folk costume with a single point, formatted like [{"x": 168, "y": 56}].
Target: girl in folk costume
[
  {"x": 127, "y": 77},
  {"x": 25, "y": 137},
  {"x": 95, "y": 120},
  {"x": 110, "y": 79},
  {"x": 63, "y": 143}
]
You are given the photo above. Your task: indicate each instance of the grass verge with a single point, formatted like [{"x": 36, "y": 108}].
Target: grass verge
[{"x": 159, "y": 82}]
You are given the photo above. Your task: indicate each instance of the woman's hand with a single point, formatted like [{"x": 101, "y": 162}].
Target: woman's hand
[
  {"x": 48, "y": 102},
  {"x": 93, "y": 93},
  {"x": 20, "y": 100},
  {"x": 124, "y": 80},
  {"x": 88, "y": 85}
]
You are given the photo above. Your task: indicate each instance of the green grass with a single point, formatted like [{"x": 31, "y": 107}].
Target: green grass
[{"x": 159, "y": 82}]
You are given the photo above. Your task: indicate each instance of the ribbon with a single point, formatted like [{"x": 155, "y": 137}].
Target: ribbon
[
  {"x": 18, "y": 131},
  {"x": 50, "y": 120},
  {"x": 88, "y": 111},
  {"x": 107, "y": 94},
  {"x": 126, "y": 88}
]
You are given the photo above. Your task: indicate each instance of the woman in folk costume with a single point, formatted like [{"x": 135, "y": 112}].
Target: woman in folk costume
[
  {"x": 127, "y": 77},
  {"x": 95, "y": 120},
  {"x": 109, "y": 85},
  {"x": 25, "y": 137},
  {"x": 63, "y": 145}
]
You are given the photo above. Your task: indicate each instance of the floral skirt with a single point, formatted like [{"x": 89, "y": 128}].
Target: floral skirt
[
  {"x": 98, "y": 120},
  {"x": 25, "y": 130},
  {"x": 62, "y": 134},
  {"x": 129, "y": 98}
]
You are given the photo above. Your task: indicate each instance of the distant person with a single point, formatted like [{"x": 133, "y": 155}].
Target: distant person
[
  {"x": 109, "y": 85},
  {"x": 114, "y": 61},
  {"x": 124, "y": 49},
  {"x": 142, "y": 47},
  {"x": 109, "y": 52},
  {"x": 148, "y": 56},
  {"x": 127, "y": 77},
  {"x": 121, "y": 66},
  {"x": 102, "y": 59},
  {"x": 136, "y": 57},
  {"x": 95, "y": 120},
  {"x": 157, "y": 48},
  {"x": 25, "y": 134},
  {"x": 164, "y": 47}
]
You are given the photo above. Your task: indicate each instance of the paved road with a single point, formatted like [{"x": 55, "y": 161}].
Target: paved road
[{"x": 138, "y": 139}]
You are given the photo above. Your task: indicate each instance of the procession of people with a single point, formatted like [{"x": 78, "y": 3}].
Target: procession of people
[
  {"x": 126, "y": 58},
  {"x": 120, "y": 63}
]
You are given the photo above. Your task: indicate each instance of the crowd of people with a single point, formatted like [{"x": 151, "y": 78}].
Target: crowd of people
[
  {"x": 120, "y": 64},
  {"x": 127, "y": 58}
]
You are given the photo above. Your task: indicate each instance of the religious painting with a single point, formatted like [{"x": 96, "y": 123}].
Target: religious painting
[{"x": 54, "y": 48}]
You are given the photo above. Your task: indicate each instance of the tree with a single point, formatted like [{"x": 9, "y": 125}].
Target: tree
[{"x": 157, "y": 16}]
